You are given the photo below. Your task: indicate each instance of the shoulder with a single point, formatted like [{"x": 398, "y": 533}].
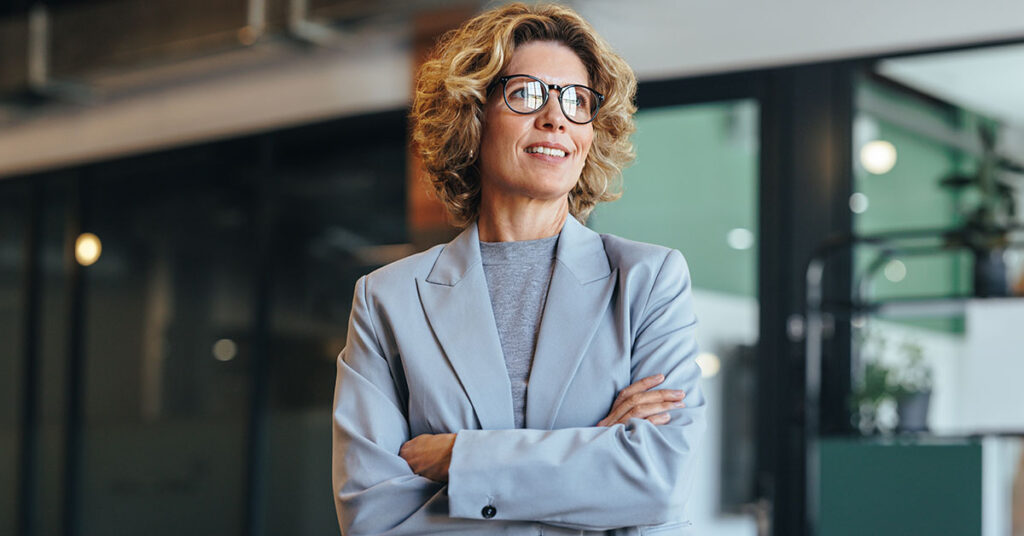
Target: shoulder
[
  {"x": 398, "y": 274},
  {"x": 642, "y": 258},
  {"x": 653, "y": 278}
]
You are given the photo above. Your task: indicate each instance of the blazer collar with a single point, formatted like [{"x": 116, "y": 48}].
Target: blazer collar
[
  {"x": 455, "y": 299},
  {"x": 579, "y": 249}
]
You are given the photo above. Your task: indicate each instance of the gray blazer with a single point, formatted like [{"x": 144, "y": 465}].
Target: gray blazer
[{"x": 423, "y": 357}]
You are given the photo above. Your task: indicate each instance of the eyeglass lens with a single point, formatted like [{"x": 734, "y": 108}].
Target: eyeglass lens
[{"x": 526, "y": 95}]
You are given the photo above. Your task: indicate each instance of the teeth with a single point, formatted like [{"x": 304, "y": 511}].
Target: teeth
[{"x": 546, "y": 150}]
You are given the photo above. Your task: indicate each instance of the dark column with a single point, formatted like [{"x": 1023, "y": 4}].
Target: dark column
[
  {"x": 28, "y": 478},
  {"x": 806, "y": 178}
]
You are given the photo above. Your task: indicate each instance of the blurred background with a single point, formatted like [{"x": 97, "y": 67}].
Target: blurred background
[{"x": 189, "y": 190}]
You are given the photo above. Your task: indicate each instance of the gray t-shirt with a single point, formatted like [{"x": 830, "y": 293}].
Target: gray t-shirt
[{"x": 518, "y": 275}]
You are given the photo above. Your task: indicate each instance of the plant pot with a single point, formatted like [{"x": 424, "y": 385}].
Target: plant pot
[
  {"x": 990, "y": 278},
  {"x": 912, "y": 410}
]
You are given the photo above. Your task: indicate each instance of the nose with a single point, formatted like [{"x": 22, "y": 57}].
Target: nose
[{"x": 550, "y": 117}]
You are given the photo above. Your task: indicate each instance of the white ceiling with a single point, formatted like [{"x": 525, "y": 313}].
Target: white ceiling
[
  {"x": 987, "y": 80},
  {"x": 664, "y": 39}
]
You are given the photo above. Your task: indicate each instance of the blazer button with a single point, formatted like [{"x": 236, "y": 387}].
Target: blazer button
[{"x": 488, "y": 511}]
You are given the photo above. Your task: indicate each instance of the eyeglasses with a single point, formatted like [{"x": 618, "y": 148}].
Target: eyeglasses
[{"x": 525, "y": 94}]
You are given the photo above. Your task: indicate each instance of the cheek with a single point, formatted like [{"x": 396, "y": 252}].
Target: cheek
[
  {"x": 585, "y": 138},
  {"x": 498, "y": 138},
  {"x": 490, "y": 146},
  {"x": 585, "y": 145}
]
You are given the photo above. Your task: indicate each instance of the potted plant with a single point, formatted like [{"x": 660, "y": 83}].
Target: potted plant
[
  {"x": 911, "y": 387},
  {"x": 904, "y": 384},
  {"x": 988, "y": 220}
]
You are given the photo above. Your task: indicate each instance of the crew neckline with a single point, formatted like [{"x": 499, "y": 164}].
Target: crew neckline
[{"x": 519, "y": 251}]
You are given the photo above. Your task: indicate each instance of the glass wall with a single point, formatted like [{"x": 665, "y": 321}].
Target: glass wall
[
  {"x": 167, "y": 254},
  {"x": 909, "y": 196},
  {"x": 341, "y": 214},
  {"x": 694, "y": 187},
  {"x": 168, "y": 264},
  {"x": 935, "y": 349},
  {"x": 58, "y": 196}
]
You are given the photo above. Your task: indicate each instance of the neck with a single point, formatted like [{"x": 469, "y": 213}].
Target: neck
[{"x": 520, "y": 219}]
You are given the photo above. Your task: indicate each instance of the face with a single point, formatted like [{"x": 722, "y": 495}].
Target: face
[{"x": 510, "y": 164}]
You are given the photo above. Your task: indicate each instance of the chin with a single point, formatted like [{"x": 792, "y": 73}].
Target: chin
[
  {"x": 550, "y": 187},
  {"x": 547, "y": 194}
]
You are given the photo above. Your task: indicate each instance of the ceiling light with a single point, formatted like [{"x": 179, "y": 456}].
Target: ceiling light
[
  {"x": 858, "y": 203},
  {"x": 878, "y": 156},
  {"x": 895, "y": 271},
  {"x": 88, "y": 249},
  {"x": 740, "y": 238},
  {"x": 709, "y": 364}
]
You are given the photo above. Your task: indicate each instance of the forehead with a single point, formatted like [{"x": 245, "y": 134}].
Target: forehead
[{"x": 550, "y": 61}]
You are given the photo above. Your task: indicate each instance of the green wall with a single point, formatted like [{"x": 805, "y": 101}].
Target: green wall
[
  {"x": 900, "y": 487},
  {"x": 694, "y": 180},
  {"x": 909, "y": 197}
]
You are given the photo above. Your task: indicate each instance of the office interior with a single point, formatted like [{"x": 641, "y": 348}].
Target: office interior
[{"x": 189, "y": 191}]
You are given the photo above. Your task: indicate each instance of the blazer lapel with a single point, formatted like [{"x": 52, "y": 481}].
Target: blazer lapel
[
  {"x": 458, "y": 308},
  {"x": 581, "y": 288}
]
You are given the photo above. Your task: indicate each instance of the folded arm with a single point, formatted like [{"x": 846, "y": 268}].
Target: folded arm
[{"x": 599, "y": 478}]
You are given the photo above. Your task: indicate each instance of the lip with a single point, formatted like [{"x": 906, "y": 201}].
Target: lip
[{"x": 550, "y": 145}]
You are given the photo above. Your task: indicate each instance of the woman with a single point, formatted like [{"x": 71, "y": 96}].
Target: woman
[{"x": 503, "y": 382}]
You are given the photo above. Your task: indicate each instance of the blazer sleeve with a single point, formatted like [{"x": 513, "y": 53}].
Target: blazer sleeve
[
  {"x": 599, "y": 478},
  {"x": 375, "y": 491}
]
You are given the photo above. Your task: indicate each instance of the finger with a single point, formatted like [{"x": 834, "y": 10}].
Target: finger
[
  {"x": 408, "y": 449},
  {"x": 649, "y": 397},
  {"x": 661, "y": 418},
  {"x": 638, "y": 386},
  {"x": 646, "y": 410},
  {"x": 407, "y": 453},
  {"x": 655, "y": 396},
  {"x": 633, "y": 409}
]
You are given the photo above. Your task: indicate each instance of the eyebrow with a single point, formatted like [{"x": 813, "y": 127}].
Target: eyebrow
[{"x": 542, "y": 79}]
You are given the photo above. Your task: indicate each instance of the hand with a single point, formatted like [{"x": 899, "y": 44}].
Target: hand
[
  {"x": 429, "y": 455},
  {"x": 638, "y": 401}
]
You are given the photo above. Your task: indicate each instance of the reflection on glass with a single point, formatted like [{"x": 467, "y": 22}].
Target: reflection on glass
[
  {"x": 225, "y": 350},
  {"x": 88, "y": 249},
  {"x": 342, "y": 214},
  {"x": 859, "y": 203},
  {"x": 164, "y": 444}
]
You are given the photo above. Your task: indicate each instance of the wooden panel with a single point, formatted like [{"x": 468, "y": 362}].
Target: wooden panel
[{"x": 427, "y": 216}]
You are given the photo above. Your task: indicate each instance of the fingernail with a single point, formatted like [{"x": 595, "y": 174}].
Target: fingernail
[
  {"x": 659, "y": 377},
  {"x": 679, "y": 404},
  {"x": 678, "y": 393}
]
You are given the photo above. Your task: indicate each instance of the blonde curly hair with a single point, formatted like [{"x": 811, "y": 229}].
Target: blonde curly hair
[{"x": 451, "y": 89}]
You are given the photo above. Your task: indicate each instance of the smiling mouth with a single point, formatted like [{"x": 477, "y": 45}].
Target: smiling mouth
[{"x": 546, "y": 150}]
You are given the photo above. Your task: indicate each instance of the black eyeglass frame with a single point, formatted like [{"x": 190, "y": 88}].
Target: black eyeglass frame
[{"x": 503, "y": 81}]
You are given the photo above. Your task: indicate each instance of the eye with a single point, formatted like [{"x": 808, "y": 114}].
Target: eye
[
  {"x": 524, "y": 94},
  {"x": 580, "y": 97}
]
